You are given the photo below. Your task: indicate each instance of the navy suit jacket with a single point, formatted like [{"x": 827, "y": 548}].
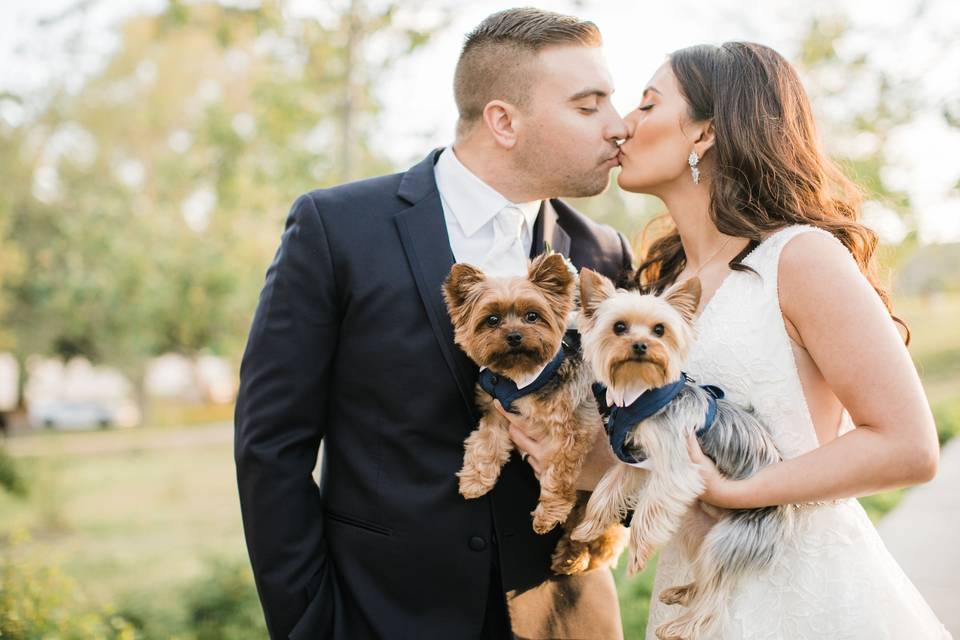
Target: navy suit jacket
[{"x": 351, "y": 346}]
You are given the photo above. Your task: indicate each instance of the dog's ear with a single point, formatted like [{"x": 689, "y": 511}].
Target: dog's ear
[
  {"x": 549, "y": 273},
  {"x": 461, "y": 280},
  {"x": 685, "y": 297},
  {"x": 594, "y": 289}
]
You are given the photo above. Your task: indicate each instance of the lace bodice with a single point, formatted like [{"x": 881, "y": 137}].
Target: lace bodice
[
  {"x": 743, "y": 346},
  {"x": 836, "y": 579}
]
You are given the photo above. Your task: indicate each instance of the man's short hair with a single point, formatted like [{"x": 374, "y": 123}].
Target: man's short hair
[{"x": 497, "y": 56}]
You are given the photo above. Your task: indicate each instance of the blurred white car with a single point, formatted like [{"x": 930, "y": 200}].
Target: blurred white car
[{"x": 80, "y": 415}]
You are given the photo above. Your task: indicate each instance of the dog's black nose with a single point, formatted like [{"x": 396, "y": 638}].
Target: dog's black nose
[
  {"x": 639, "y": 348},
  {"x": 514, "y": 339}
]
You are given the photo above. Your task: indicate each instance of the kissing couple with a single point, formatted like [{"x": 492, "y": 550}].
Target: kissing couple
[{"x": 352, "y": 346}]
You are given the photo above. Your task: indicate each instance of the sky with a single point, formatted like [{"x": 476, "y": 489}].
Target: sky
[{"x": 419, "y": 113}]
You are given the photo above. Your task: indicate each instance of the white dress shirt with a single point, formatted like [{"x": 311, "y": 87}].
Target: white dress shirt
[{"x": 470, "y": 208}]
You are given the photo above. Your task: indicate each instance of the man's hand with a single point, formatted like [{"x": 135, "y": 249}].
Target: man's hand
[
  {"x": 600, "y": 459},
  {"x": 537, "y": 451}
]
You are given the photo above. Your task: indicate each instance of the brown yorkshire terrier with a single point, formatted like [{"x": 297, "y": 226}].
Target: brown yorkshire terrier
[{"x": 513, "y": 329}]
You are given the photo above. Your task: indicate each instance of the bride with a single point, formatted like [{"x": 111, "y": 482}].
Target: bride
[{"x": 793, "y": 323}]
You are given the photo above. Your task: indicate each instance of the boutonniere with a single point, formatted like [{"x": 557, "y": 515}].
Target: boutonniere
[
  {"x": 548, "y": 250},
  {"x": 573, "y": 316}
]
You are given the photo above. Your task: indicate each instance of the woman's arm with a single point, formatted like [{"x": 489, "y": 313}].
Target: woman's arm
[{"x": 850, "y": 336}]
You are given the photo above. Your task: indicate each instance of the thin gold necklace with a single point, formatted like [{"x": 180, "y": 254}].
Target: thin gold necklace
[{"x": 715, "y": 254}]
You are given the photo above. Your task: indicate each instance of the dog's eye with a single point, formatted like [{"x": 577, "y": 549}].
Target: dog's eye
[
  {"x": 531, "y": 316},
  {"x": 658, "y": 330},
  {"x": 619, "y": 327},
  {"x": 493, "y": 321}
]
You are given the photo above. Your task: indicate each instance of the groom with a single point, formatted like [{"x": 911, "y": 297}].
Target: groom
[{"x": 351, "y": 346}]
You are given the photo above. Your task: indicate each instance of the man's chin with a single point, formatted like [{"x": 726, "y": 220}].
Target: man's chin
[{"x": 593, "y": 188}]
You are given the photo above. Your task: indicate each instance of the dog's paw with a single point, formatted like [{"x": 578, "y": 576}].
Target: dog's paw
[
  {"x": 586, "y": 531},
  {"x": 677, "y": 595},
  {"x": 636, "y": 564},
  {"x": 471, "y": 487},
  {"x": 543, "y": 524},
  {"x": 570, "y": 564},
  {"x": 670, "y": 631},
  {"x": 686, "y": 627},
  {"x": 545, "y": 519}
]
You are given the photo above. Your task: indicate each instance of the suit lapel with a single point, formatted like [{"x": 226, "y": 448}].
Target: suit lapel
[
  {"x": 548, "y": 229},
  {"x": 423, "y": 233}
]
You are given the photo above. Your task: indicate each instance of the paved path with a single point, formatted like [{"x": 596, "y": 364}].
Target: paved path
[{"x": 922, "y": 533}]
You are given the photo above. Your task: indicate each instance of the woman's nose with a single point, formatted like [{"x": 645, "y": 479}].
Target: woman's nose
[{"x": 630, "y": 123}]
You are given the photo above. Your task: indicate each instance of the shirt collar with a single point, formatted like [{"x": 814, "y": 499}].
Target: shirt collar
[{"x": 471, "y": 200}]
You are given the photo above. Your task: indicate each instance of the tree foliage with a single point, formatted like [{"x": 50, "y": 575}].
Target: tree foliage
[{"x": 146, "y": 205}]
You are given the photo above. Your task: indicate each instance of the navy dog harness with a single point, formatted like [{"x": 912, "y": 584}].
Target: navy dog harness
[
  {"x": 505, "y": 390},
  {"x": 621, "y": 420}
]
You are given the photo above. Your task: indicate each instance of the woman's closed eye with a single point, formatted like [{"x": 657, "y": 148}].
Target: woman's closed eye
[{"x": 645, "y": 107}]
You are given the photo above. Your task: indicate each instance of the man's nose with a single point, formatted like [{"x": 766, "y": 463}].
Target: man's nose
[{"x": 619, "y": 129}]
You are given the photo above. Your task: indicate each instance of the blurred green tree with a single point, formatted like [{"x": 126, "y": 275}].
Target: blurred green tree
[
  {"x": 146, "y": 205},
  {"x": 861, "y": 103}
]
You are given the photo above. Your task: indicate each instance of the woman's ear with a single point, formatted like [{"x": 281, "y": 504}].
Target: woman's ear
[
  {"x": 502, "y": 120},
  {"x": 705, "y": 139}
]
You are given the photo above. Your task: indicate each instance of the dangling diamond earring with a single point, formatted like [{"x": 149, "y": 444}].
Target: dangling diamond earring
[{"x": 692, "y": 161}]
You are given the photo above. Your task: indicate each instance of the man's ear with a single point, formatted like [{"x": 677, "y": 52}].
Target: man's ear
[
  {"x": 502, "y": 120},
  {"x": 685, "y": 297},
  {"x": 594, "y": 289},
  {"x": 461, "y": 280}
]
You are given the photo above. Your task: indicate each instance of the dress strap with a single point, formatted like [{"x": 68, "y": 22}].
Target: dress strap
[{"x": 765, "y": 258}]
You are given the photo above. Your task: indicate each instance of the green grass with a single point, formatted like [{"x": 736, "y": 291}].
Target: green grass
[
  {"x": 947, "y": 415},
  {"x": 935, "y": 343},
  {"x": 880, "y": 504},
  {"x": 139, "y": 524},
  {"x": 634, "y": 596}
]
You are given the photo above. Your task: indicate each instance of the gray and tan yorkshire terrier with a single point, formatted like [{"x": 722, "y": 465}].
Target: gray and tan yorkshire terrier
[
  {"x": 514, "y": 328},
  {"x": 636, "y": 344}
]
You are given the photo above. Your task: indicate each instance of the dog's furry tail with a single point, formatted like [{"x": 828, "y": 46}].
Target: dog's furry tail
[
  {"x": 742, "y": 542},
  {"x": 749, "y": 539}
]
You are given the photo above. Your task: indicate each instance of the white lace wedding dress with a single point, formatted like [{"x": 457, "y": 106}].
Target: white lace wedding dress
[{"x": 836, "y": 580}]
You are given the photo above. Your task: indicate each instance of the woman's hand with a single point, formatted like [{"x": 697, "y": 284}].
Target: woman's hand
[
  {"x": 536, "y": 452},
  {"x": 718, "y": 490}
]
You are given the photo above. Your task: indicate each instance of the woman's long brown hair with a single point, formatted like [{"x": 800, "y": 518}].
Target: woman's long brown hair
[{"x": 768, "y": 168}]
